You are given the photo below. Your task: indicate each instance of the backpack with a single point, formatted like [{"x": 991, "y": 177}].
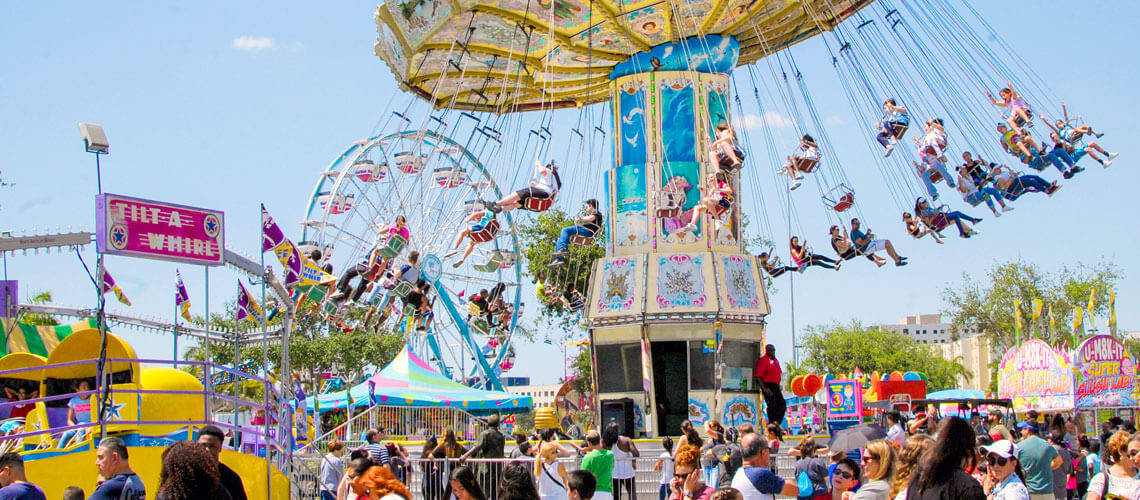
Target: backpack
[{"x": 729, "y": 459}]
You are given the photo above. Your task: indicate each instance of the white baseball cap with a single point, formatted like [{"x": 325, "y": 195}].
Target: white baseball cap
[{"x": 1004, "y": 448}]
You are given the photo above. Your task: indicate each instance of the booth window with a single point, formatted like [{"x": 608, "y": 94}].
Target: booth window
[
  {"x": 701, "y": 377},
  {"x": 736, "y": 354},
  {"x": 622, "y": 364}
]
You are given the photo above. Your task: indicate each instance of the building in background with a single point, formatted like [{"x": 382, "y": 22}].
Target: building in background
[
  {"x": 542, "y": 395},
  {"x": 926, "y": 329}
]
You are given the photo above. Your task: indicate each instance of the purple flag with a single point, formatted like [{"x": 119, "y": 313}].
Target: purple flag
[
  {"x": 248, "y": 307},
  {"x": 110, "y": 286},
  {"x": 181, "y": 297},
  {"x": 271, "y": 235}
]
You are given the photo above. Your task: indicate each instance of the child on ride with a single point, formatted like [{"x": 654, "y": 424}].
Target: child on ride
[
  {"x": 724, "y": 152},
  {"x": 894, "y": 124},
  {"x": 719, "y": 199},
  {"x": 1019, "y": 112}
]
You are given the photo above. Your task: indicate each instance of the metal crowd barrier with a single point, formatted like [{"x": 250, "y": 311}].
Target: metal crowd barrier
[{"x": 426, "y": 478}]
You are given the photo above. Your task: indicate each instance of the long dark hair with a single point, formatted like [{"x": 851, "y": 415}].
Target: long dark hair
[
  {"x": 517, "y": 483},
  {"x": 954, "y": 445},
  {"x": 429, "y": 446},
  {"x": 188, "y": 472},
  {"x": 466, "y": 477}
]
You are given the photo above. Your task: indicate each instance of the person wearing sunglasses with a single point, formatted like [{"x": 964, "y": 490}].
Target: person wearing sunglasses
[
  {"x": 846, "y": 479},
  {"x": 1003, "y": 474},
  {"x": 1119, "y": 481},
  {"x": 878, "y": 471},
  {"x": 688, "y": 482}
]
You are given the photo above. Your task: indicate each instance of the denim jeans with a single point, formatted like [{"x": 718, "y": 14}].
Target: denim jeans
[
  {"x": 986, "y": 194},
  {"x": 1025, "y": 184},
  {"x": 564, "y": 238}
]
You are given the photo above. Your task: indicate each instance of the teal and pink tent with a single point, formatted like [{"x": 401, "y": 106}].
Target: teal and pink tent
[{"x": 411, "y": 382}]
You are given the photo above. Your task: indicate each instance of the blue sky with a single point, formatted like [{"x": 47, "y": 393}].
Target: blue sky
[{"x": 229, "y": 105}]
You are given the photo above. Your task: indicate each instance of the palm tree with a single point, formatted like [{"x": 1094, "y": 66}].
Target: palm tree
[{"x": 41, "y": 319}]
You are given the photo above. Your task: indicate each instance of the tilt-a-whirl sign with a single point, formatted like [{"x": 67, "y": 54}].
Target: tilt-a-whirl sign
[{"x": 135, "y": 227}]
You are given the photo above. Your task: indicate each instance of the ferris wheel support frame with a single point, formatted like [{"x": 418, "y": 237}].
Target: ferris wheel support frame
[{"x": 353, "y": 153}]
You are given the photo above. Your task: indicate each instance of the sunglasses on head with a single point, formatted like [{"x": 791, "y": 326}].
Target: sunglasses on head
[
  {"x": 993, "y": 459},
  {"x": 844, "y": 474}
]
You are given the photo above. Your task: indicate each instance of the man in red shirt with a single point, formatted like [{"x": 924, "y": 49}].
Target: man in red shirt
[{"x": 768, "y": 372}]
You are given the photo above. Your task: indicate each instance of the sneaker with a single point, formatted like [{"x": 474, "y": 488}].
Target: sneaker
[
  {"x": 338, "y": 296},
  {"x": 803, "y": 267},
  {"x": 457, "y": 263},
  {"x": 795, "y": 185},
  {"x": 557, "y": 261},
  {"x": 900, "y": 263},
  {"x": 1006, "y": 208},
  {"x": 1113, "y": 155},
  {"x": 1068, "y": 175},
  {"x": 1098, "y": 136},
  {"x": 1106, "y": 164},
  {"x": 997, "y": 214},
  {"x": 838, "y": 264},
  {"x": 972, "y": 232},
  {"x": 782, "y": 171},
  {"x": 1052, "y": 189},
  {"x": 1076, "y": 170},
  {"x": 890, "y": 148}
]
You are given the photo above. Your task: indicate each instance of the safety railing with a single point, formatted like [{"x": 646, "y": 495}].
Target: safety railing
[
  {"x": 271, "y": 439},
  {"x": 401, "y": 423},
  {"x": 427, "y": 478}
]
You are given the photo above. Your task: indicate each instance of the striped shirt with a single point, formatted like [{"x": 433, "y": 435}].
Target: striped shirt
[{"x": 378, "y": 453}]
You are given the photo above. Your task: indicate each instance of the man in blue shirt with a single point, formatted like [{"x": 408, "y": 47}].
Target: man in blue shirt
[
  {"x": 1038, "y": 458},
  {"x": 119, "y": 481},
  {"x": 868, "y": 245},
  {"x": 755, "y": 481},
  {"x": 15, "y": 483}
]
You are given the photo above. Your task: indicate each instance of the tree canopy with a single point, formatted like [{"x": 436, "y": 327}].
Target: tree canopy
[
  {"x": 314, "y": 348},
  {"x": 987, "y": 305},
  {"x": 536, "y": 241},
  {"x": 840, "y": 348}
]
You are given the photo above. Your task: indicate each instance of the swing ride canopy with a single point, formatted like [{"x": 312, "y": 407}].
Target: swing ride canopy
[
  {"x": 411, "y": 382},
  {"x": 515, "y": 55}
]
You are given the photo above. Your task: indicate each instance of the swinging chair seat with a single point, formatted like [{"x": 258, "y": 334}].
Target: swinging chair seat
[
  {"x": 538, "y": 204},
  {"x": 402, "y": 289},
  {"x": 845, "y": 202},
  {"x": 581, "y": 240},
  {"x": 935, "y": 176},
  {"x": 487, "y": 234},
  {"x": 804, "y": 165},
  {"x": 718, "y": 211},
  {"x": 492, "y": 264},
  {"x": 939, "y": 221},
  {"x": 393, "y": 246},
  {"x": 899, "y": 129}
]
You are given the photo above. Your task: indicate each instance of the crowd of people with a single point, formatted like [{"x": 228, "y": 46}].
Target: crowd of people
[{"x": 925, "y": 457}]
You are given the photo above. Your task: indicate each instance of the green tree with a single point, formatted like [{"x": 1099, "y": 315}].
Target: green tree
[
  {"x": 987, "y": 305},
  {"x": 840, "y": 348},
  {"x": 38, "y": 319},
  {"x": 536, "y": 239},
  {"x": 314, "y": 348}
]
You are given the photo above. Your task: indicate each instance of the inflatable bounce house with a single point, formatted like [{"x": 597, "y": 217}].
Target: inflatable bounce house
[{"x": 50, "y": 412}]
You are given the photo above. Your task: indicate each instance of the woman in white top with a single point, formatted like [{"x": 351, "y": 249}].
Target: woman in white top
[
  {"x": 623, "y": 475},
  {"x": 1119, "y": 481},
  {"x": 665, "y": 465},
  {"x": 544, "y": 184},
  {"x": 975, "y": 196},
  {"x": 550, "y": 472}
]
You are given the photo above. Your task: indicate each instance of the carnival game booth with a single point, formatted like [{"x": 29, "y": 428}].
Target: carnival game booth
[
  {"x": 409, "y": 399},
  {"x": 148, "y": 407}
]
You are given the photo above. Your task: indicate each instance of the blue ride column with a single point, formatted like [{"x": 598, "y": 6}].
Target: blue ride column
[{"x": 676, "y": 316}]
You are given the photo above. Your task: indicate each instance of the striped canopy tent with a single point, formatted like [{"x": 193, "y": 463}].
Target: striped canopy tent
[
  {"x": 411, "y": 382},
  {"x": 38, "y": 340}
]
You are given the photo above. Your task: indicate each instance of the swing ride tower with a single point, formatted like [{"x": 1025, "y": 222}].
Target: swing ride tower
[{"x": 676, "y": 315}]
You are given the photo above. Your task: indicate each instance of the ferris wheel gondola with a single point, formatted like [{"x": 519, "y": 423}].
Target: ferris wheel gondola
[{"x": 434, "y": 185}]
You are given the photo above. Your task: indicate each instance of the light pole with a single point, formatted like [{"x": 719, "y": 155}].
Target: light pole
[{"x": 95, "y": 142}]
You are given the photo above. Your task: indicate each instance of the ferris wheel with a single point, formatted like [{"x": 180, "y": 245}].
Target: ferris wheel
[{"x": 434, "y": 183}]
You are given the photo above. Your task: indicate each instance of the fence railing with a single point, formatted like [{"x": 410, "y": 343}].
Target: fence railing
[
  {"x": 272, "y": 439},
  {"x": 401, "y": 423},
  {"x": 427, "y": 478}
]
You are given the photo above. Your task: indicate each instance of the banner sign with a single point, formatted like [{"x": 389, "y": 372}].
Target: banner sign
[
  {"x": 1036, "y": 377},
  {"x": 1105, "y": 373},
  {"x": 135, "y": 227},
  {"x": 844, "y": 399}
]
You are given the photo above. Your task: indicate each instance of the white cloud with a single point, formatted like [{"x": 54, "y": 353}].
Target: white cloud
[
  {"x": 834, "y": 120},
  {"x": 253, "y": 43},
  {"x": 770, "y": 119}
]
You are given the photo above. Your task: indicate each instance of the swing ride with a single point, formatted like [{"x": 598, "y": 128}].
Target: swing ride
[{"x": 678, "y": 295}]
